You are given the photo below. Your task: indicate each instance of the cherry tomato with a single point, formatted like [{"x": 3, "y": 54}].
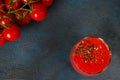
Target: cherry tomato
[
  {"x": 4, "y": 21},
  {"x": 2, "y": 13},
  {"x": 11, "y": 17},
  {"x": 1, "y": 5},
  {"x": 48, "y": 2},
  {"x": 90, "y": 56},
  {"x": 12, "y": 33},
  {"x": 23, "y": 17},
  {"x": 27, "y": 1},
  {"x": 2, "y": 39},
  {"x": 38, "y": 5},
  {"x": 12, "y": 4},
  {"x": 39, "y": 14}
]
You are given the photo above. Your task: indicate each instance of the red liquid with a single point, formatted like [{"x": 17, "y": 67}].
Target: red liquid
[{"x": 90, "y": 56}]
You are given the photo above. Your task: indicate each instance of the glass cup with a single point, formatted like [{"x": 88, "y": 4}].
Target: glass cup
[{"x": 90, "y": 56}]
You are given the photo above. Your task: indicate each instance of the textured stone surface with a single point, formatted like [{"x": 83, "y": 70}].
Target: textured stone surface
[{"x": 42, "y": 52}]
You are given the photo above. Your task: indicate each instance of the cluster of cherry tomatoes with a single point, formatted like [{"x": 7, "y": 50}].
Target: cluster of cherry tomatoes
[{"x": 20, "y": 12}]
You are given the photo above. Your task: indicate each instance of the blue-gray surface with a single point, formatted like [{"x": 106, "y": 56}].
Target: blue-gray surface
[{"x": 42, "y": 52}]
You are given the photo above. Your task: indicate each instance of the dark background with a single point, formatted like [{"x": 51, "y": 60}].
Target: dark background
[{"x": 42, "y": 52}]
